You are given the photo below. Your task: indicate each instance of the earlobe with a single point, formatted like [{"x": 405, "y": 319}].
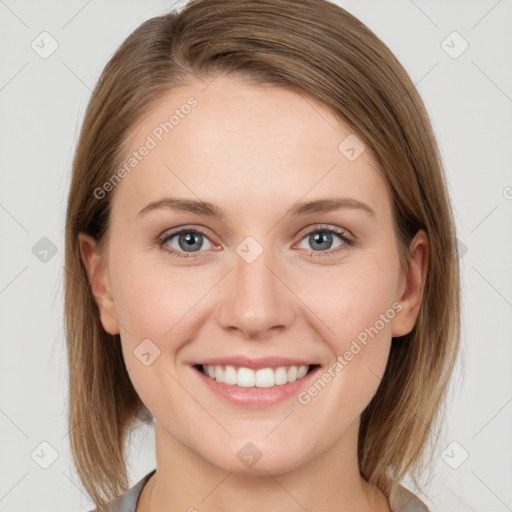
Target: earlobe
[
  {"x": 94, "y": 264},
  {"x": 415, "y": 279}
]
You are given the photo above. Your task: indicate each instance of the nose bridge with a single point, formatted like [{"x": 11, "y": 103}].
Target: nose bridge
[{"x": 255, "y": 300}]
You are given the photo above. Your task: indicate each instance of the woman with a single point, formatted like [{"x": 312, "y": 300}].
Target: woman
[{"x": 261, "y": 260}]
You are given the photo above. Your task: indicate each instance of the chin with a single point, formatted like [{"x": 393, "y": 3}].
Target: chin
[{"x": 259, "y": 457}]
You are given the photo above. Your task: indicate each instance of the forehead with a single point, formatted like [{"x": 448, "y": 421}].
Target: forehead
[{"x": 240, "y": 144}]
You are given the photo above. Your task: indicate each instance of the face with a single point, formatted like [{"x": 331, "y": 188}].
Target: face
[{"x": 266, "y": 285}]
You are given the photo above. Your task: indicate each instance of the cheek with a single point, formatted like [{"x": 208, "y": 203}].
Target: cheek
[
  {"x": 156, "y": 311},
  {"x": 153, "y": 302},
  {"x": 352, "y": 300},
  {"x": 358, "y": 306}
]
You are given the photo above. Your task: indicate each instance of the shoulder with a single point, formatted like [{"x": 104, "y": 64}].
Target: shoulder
[
  {"x": 407, "y": 501},
  {"x": 127, "y": 502}
]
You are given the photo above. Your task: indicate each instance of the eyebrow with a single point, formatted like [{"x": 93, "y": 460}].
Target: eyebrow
[{"x": 297, "y": 208}]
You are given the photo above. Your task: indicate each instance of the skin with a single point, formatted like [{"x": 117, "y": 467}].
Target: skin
[{"x": 253, "y": 151}]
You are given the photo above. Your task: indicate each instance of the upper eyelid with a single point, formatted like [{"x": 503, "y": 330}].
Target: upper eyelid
[{"x": 326, "y": 227}]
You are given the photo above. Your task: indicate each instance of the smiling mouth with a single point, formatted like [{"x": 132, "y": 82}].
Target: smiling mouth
[{"x": 260, "y": 378}]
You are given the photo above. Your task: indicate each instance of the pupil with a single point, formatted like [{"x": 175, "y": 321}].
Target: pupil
[
  {"x": 190, "y": 239},
  {"x": 322, "y": 238}
]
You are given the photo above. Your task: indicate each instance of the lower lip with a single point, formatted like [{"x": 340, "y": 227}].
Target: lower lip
[{"x": 257, "y": 396}]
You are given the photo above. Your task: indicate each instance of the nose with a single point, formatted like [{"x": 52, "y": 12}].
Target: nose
[{"x": 256, "y": 299}]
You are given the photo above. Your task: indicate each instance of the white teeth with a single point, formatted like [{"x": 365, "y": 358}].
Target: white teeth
[
  {"x": 219, "y": 373},
  {"x": 262, "y": 378},
  {"x": 302, "y": 371},
  {"x": 280, "y": 376},
  {"x": 265, "y": 378},
  {"x": 246, "y": 377},
  {"x": 292, "y": 374},
  {"x": 230, "y": 376}
]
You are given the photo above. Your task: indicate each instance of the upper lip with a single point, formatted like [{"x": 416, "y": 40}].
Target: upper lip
[{"x": 254, "y": 362}]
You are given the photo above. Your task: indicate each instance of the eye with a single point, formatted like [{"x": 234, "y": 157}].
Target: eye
[
  {"x": 321, "y": 238},
  {"x": 187, "y": 242}
]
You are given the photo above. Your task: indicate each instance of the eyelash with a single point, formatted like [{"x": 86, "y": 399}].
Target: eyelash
[{"x": 348, "y": 240}]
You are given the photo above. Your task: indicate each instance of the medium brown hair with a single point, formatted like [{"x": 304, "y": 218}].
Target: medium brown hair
[{"x": 312, "y": 47}]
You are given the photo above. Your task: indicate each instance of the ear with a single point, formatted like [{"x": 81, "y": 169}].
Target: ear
[
  {"x": 95, "y": 265},
  {"x": 413, "y": 286}
]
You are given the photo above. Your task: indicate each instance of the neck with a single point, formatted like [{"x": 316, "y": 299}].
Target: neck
[{"x": 329, "y": 482}]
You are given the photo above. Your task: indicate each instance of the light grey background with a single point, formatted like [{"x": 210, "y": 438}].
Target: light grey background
[{"x": 42, "y": 102}]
